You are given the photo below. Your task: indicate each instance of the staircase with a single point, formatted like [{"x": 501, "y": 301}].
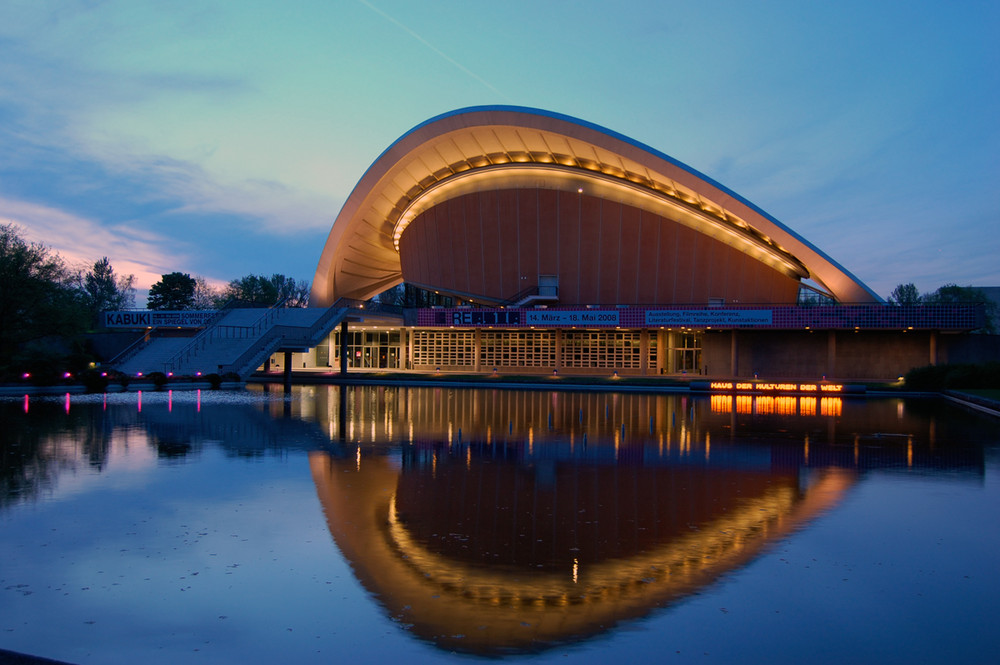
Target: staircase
[{"x": 237, "y": 342}]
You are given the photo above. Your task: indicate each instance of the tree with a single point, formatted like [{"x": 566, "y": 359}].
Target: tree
[
  {"x": 173, "y": 291},
  {"x": 37, "y": 296},
  {"x": 905, "y": 294},
  {"x": 952, "y": 293},
  {"x": 267, "y": 291},
  {"x": 206, "y": 296},
  {"x": 103, "y": 290}
]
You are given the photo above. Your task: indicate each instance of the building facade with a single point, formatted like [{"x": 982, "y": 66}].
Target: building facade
[{"x": 568, "y": 248}]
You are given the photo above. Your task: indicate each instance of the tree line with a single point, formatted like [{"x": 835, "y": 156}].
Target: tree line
[
  {"x": 179, "y": 291},
  {"x": 907, "y": 294},
  {"x": 47, "y": 306}
]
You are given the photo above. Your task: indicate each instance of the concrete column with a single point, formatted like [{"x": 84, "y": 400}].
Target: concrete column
[
  {"x": 644, "y": 352},
  {"x": 343, "y": 348},
  {"x": 669, "y": 351},
  {"x": 477, "y": 347},
  {"x": 734, "y": 353},
  {"x": 831, "y": 354},
  {"x": 559, "y": 351},
  {"x": 401, "y": 354},
  {"x": 661, "y": 351},
  {"x": 288, "y": 371},
  {"x": 409, "y": 348}
]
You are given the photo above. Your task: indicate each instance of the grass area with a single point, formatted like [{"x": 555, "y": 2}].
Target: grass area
[{"x": 988, "y": 393}]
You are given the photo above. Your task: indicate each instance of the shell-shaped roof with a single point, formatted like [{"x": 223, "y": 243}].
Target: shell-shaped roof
[{"x": 488, "y": 146}]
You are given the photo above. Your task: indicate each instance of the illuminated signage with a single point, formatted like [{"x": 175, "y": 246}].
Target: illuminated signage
[
  {"x": 560, "y": 317},
  {"x": 485, "y": 318},
  {"x": 709, "y": 317},
  {"x": 531, "y": 317},
  {"x": 158, "y": 318},
  {"x": 767, "y": 387}
]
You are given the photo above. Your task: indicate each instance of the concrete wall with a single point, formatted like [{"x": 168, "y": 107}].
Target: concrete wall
[
  {"x": 840, "y": 355},
  {"x": 496, "y": 243},
  {"x": 968, "y": 348}
]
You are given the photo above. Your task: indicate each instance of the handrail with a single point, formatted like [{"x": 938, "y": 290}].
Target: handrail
[
  {"x": 272, "y": 339},
  {"x": 206, "y": 331},
  {"x": 368, "y": 306},
  {"x": 129, "y": 351},
  {"x": 201, "y": 340},
  {"x": 530, "y": 291}
]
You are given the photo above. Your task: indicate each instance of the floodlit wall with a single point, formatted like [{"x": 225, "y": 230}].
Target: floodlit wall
[
  {"x": 841, "y": 355},
  {"x": 496, "y": 243}
]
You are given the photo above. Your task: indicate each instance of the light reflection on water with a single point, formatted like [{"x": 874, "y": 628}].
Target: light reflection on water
[{"x": 483, "y": 522}]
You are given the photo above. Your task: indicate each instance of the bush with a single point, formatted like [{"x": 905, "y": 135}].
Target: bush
[
  {"x": 214, "y": 380},
  {"x": 95, "y": 381},
  {"x": 122, "y": 379},
  {"x": 959, "y": 375},
  {"x": 46, "y": 370},
  {"x": 159, "y": 379},
  {"x": 930, "y": 377}
]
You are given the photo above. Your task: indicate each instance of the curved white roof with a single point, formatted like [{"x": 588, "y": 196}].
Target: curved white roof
[{"x": 455, "y": 152}]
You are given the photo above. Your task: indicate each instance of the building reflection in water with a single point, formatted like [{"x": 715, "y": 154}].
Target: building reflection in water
[
  {"x": 496, "y": 521},
  {"x": 491, "y": 521}
]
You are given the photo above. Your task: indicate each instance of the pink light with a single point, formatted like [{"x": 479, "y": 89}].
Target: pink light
[
  {"x": 138, "y": 373},
  {"x": 66, "y": 375},
  {"x": 67, "y": 402},
  {"x": 140, "y": 401},
  {"x": 170, "y": 373},
  {"x": 199, "y": 399},
  {"x": 26, "y": 375},
  {"x": 197, "y": 373},
  {"x": 170, "y": 400},
  {"x": 25, "y": 403},
  {"x": 104, "y": 373}
]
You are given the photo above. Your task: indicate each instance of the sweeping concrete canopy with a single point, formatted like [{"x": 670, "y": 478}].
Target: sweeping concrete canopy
[{"x": 493, "y": 147}]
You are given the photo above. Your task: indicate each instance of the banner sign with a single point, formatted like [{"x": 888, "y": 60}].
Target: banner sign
[
  {"x": 483, "y": 318},
  {"x": 709, "y": 317},
  {"x": 564, "y": 317},
  {"x": 876, "y": 316},
  {"x": 156, "y": 318}
]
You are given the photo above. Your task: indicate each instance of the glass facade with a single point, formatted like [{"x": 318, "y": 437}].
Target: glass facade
[
  {"x": 603, "y": 351},
  {"x": 599, "y": 349},
  {"x": 511, "y": 348},
  {"x": 365, "y": 349}
]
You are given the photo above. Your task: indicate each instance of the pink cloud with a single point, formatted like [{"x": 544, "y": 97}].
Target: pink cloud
[{"x": 81, "y": 242}]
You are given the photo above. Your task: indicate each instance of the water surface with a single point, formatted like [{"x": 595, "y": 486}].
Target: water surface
[{"x": 428, "y": 524}]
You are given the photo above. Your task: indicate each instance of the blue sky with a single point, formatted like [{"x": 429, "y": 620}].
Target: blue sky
[{"x": 221, "y": 138}]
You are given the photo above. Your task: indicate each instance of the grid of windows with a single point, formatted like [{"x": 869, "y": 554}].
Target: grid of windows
[
  {"x": 602, "y": 349},
  {"x": 518, "y": 349},
  {"x": 433, "y": 348},
  {"x": 513, "y": 348}
]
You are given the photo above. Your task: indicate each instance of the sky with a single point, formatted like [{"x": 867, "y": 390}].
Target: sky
[{"x": 221, "y": 139}]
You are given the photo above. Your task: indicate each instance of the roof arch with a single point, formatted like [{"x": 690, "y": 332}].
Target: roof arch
[{"x": 456, "y": 152}]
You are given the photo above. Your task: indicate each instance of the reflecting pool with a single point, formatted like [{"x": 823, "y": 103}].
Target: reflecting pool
[{"x": 427, "y": 524}]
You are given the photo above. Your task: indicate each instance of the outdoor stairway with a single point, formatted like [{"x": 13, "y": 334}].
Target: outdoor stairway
[
  {"x": 237, "y": 342},
  {"x": 152, "y": 356}
]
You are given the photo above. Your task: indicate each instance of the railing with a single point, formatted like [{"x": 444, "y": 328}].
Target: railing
[
  {"x": 278, "y": 335},
  {"x": 519, "y": 296},
  {"x": 200, "y": 341},
  {"x": 369, "y": 306},
  {"x": 129, "y": 351}
]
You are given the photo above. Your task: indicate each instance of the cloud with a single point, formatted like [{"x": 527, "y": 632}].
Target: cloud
[{"x": 81, "y": 242}]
